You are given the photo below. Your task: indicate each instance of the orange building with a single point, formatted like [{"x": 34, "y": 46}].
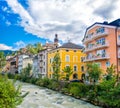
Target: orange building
[{"x": 102, "y": 44}]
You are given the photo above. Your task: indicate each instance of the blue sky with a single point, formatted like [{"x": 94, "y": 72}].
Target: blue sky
[{"x": 25, "y": 22}]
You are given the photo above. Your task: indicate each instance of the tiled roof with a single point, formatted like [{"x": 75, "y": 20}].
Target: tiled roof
[{"x": 71, "y": 45}]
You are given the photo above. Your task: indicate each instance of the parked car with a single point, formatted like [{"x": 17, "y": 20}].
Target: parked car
[{"x": 76, "y": 80}]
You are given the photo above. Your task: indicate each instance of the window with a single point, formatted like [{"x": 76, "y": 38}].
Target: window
[
  {"x": 107, "y": 64},
  {"x": 75, "y": 58},
  {"x": 67, "y": 50},
  {"x": 75, "y": 51},
  {"x": 51, "y": 60},
  {"x": 101, "y": 41},
  {"x": 67, "y": 58},
  {"x": 101, "y": 53},
  {"x": 75, "y": 68},
  {"x": 82, "y": 68},
  {"x": 100, "y": 30},
  {"x": 82, "y": 59},
  {"x": 75, "y": 76}
]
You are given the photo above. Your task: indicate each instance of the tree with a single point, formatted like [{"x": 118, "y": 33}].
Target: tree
[
  {"x": 10, "y": 95},
  {"x": 38, "y": 47},
  {"x": 110, "y": 72},
  {"x": 56, "y": 66},
  {"x": 68, "y": 71},
  {"x": 94, "y": 72},
  {"x": 26, "y": 72},
  {"x": 2, "y": 60}
]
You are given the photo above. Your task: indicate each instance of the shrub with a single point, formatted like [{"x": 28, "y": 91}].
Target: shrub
[{"x": 9, "y": 95}]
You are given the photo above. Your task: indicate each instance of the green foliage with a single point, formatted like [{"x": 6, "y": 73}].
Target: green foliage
[
  {"x": 110, "y": 94},
  {"x": 78, "y": 89},
  {"x": 56, "y": 66},
  {"x": 34, "y": 49},
  {"x": 45, "y": 82},
  {"x": 2, "y": 60},
  {"x": 68, "y": 71},
  {"x": 110, "y": 72},
  {"x": 25, "y": 73},
  {"x": 54, "y": 85},
  {"x": 9, "y": 95},
  {"x": 94, "y": 72}
]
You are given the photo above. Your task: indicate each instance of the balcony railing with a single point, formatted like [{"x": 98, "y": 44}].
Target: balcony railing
[
  {"x": 94, "y": 58},
  {"x": 96, "y": 35},
  {"x": 100, "y": 34},
  {"x": 96, "y": 46}
]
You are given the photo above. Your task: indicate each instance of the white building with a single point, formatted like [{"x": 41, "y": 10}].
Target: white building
[
  {"x": 23, "y": 61},
  {"x": 35, "y": 67}
]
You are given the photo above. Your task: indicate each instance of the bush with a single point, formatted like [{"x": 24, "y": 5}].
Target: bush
[
  {"x": 110, "y": 94},
  {"x": 78, "y": 89},
  {"x": 9, "y": 95},
  {"x": 45, "y": 82},
  {"x": 54, "y": 85}
]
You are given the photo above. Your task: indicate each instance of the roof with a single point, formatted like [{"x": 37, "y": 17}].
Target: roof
[
  {"x": 71, "y": 45},
  {"x": 115, "y": 23}
]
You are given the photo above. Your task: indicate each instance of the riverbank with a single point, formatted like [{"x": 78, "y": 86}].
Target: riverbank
[{"x": 105, "y": 94}]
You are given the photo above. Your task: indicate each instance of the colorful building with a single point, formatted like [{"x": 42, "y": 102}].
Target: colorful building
[
  {"x": 70, "y": 55},
  {"x": 43, "y": 58},
  {"x": 102, "y": 44}
]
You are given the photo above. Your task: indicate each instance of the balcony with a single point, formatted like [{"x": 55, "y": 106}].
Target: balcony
[
  {"x": 100, "y": 34},
  {"x": 88, "y": 39},
  {"x": 92, "y": 36},
  {"x": 102, "y": 57},
  {"x": 99, "y": 57},
  {"x": 96, "y": 46}
]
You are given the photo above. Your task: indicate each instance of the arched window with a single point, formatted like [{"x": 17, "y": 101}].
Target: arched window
[
  {"x": 75, "y": 68},
  {"x": 75, "y": 76},
  {"x": 67, "y": 58}
]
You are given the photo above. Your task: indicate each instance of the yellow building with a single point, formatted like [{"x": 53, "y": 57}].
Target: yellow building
[{"x": 70, "y": 55}]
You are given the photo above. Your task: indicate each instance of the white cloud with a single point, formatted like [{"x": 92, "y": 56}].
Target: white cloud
[
  {"x": 19, "y": 44},
  {"x": 8, "y": 23},
  {"x": 5, "y": 47},
  {"x": 68, "y": 18}
]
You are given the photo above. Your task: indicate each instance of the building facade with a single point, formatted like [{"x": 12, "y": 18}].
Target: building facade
[
  {"x": 42, "y": 62},
  {"x": 102, "y": 44},
  {"x": 70, "y": 55},
  {"x": 23, "y": 61}
]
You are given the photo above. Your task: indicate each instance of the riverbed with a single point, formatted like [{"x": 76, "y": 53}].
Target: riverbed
[{"x": 40, "y": 97}]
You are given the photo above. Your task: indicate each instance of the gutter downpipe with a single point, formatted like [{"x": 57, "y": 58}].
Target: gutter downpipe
[{"x": 117, "y": 53}]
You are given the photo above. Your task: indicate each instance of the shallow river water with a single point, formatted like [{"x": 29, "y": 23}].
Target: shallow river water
[{"x": 39, "y": 97}]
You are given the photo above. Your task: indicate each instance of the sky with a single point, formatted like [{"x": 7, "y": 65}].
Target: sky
[{"x": 25, "y": 22}]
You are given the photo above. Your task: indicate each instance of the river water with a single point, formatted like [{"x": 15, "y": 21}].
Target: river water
[{"x": 39, "y": 97}]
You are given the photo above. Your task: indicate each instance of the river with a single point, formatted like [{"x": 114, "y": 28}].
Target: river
[{"x": 39, "y": 97}]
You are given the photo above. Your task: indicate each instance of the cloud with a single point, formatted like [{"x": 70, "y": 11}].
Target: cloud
[
  {"x": 19, "y": 44},
  {"x": 5, "y": 47},
  {"x": 8, "y": 23},
  {"x": 67, "y": 18},
  {"x": 106, "y": 10}
]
